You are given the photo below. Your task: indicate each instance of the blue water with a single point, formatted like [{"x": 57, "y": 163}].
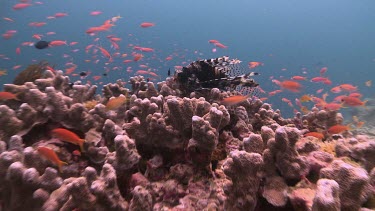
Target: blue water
[{"x": 293, "y": 34}]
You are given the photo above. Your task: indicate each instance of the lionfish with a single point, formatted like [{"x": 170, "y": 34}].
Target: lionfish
[{"x": 222, "y": 73}]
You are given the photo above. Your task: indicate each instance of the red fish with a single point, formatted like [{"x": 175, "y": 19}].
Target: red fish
[
  {"x": 292, "y": 86},
  {"x": 352, "y": 101},
  {"x": 8, "y": 19},
  {"x": 57, "y": 43},
  {"x": 254, "y": 64},
  {"x": 60, "y": 15},
  {"x": 213, "y": 41},
  {"x": 94, "y": 13},
  {"x": 319, "y": 79},
  {"x": 147, "y": 24},
  {"x": 323, "y": 70},
  {"x": 338, "y": 129},
  {"x": 348, "y": 87},
  {"x": 220, "y": 45},
  {"x": 336, "y": 89},
  {"x": 147, "y": 49},
  {"x": 21, "y": 6},
  {"x": 137, "y": 57},
  {"x": 233, "y": 100},
  {"x": 51, "y": 156},
  {"x": 105, "y": 53},
  {"x": 314, "y": 134},
  {"x": 8, "y": 96},
  {"x": 298, "y": 78},
  {"x": 115, "y": 102},
  {"x": 68, "y": 136},
  {"x": 332, "y": 106}
]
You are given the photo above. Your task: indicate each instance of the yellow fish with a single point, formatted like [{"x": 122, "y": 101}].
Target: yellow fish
[{"x": 305, "y": 98}]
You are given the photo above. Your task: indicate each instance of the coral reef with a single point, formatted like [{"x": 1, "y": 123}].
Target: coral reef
[{"x": 171, "y": 149}]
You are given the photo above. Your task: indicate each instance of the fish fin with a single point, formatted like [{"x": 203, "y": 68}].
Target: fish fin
[{"x": 349, "y": 126}]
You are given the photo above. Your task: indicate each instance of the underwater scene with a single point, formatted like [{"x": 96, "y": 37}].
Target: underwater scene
[{"x": 187, "y": 105}]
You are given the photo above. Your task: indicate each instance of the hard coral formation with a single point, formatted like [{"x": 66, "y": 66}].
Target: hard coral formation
[
  {"x": 167, "y": 149},
  {"x": 242, "y": 189}
]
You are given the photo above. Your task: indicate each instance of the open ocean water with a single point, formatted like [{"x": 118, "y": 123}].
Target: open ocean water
[{"x": 287, "y": 38}]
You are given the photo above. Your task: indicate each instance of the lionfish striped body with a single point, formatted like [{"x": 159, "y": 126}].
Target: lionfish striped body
[{"x": 222, "y": 73}]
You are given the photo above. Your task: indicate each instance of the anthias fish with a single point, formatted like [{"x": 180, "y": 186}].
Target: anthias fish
[
  {"x": 51, "y": 156},
  {"x": 68, "y": 136}
]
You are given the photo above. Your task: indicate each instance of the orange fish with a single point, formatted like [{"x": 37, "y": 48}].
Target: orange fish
[
  {"x": 233, "y": 100},
  {"x": 94, "y": 13},
  {"x": 21, "y": 6},
  {"x": 8, "y": 19},
  {"x": 116, "y": 102},
  {"x": 60, "y": 15},
  {"x": 68, "y": 136},
  {"x": 305, "y": 98},
  {"x": 332, "y": 106},
  {"x": 220, "y": 45},
  {"x": 147, "y": 24},
  {"x": 319, "y": 79},
  {"x": 96, "y": 29},
  {"x": 70, "y": 69},
  {"x": 298, "y": 78},
  {"x": 355, "y": 94},
  {"x": 348, "y": 87},
  {"x": 105, "y": 53},
  {"x": 314, "y": 134},
  {"x": 368, "y": 83},
  {"x": 8, "y": 96},
  {"x": 147, "y": 49},
  {"x": 254, "y": 64},
  {"x": 137, "y": 57},
  {"x": 336, "y": 89},
  {"x": 323, "y": 70},
  {"x": 127, "y": 61},
  {"x": 305, "y": 110},
  {"x": 338, "y": 129},
  {"x": 213, "y": 41},
  {"x": 51, "y": 156},
  {"x": 352, "y": 101},
  {"x": 96, "y": 77},
  {"x": 292, "y": 86},
  {"x": 57, "y": 43}
]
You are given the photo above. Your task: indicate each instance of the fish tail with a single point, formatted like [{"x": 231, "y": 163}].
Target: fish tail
[
  {"x": 349, "y": 126},
  {"x": 82, "y": 141},
  {"x": 60, "y": 164},
  {"x": 364, "y": 103},
  {"x": 17, "y": 96}
]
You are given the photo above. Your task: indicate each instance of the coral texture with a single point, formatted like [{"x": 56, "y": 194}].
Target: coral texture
[{"x": 158, "y": 147}]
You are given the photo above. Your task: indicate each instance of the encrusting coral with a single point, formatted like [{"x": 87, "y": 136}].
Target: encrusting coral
[{"x": 164, "y": 149}]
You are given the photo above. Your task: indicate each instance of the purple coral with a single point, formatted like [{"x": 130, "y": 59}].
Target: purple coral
[
  {"x": 154, "y": 151},
  {"x": 243, "y": 169},
  {"x": 327, "y": 196},
  {"x": 353, "y": 183}
]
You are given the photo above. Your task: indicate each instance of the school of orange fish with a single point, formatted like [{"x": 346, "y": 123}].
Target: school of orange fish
[{"x": 343, "y": 96}]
